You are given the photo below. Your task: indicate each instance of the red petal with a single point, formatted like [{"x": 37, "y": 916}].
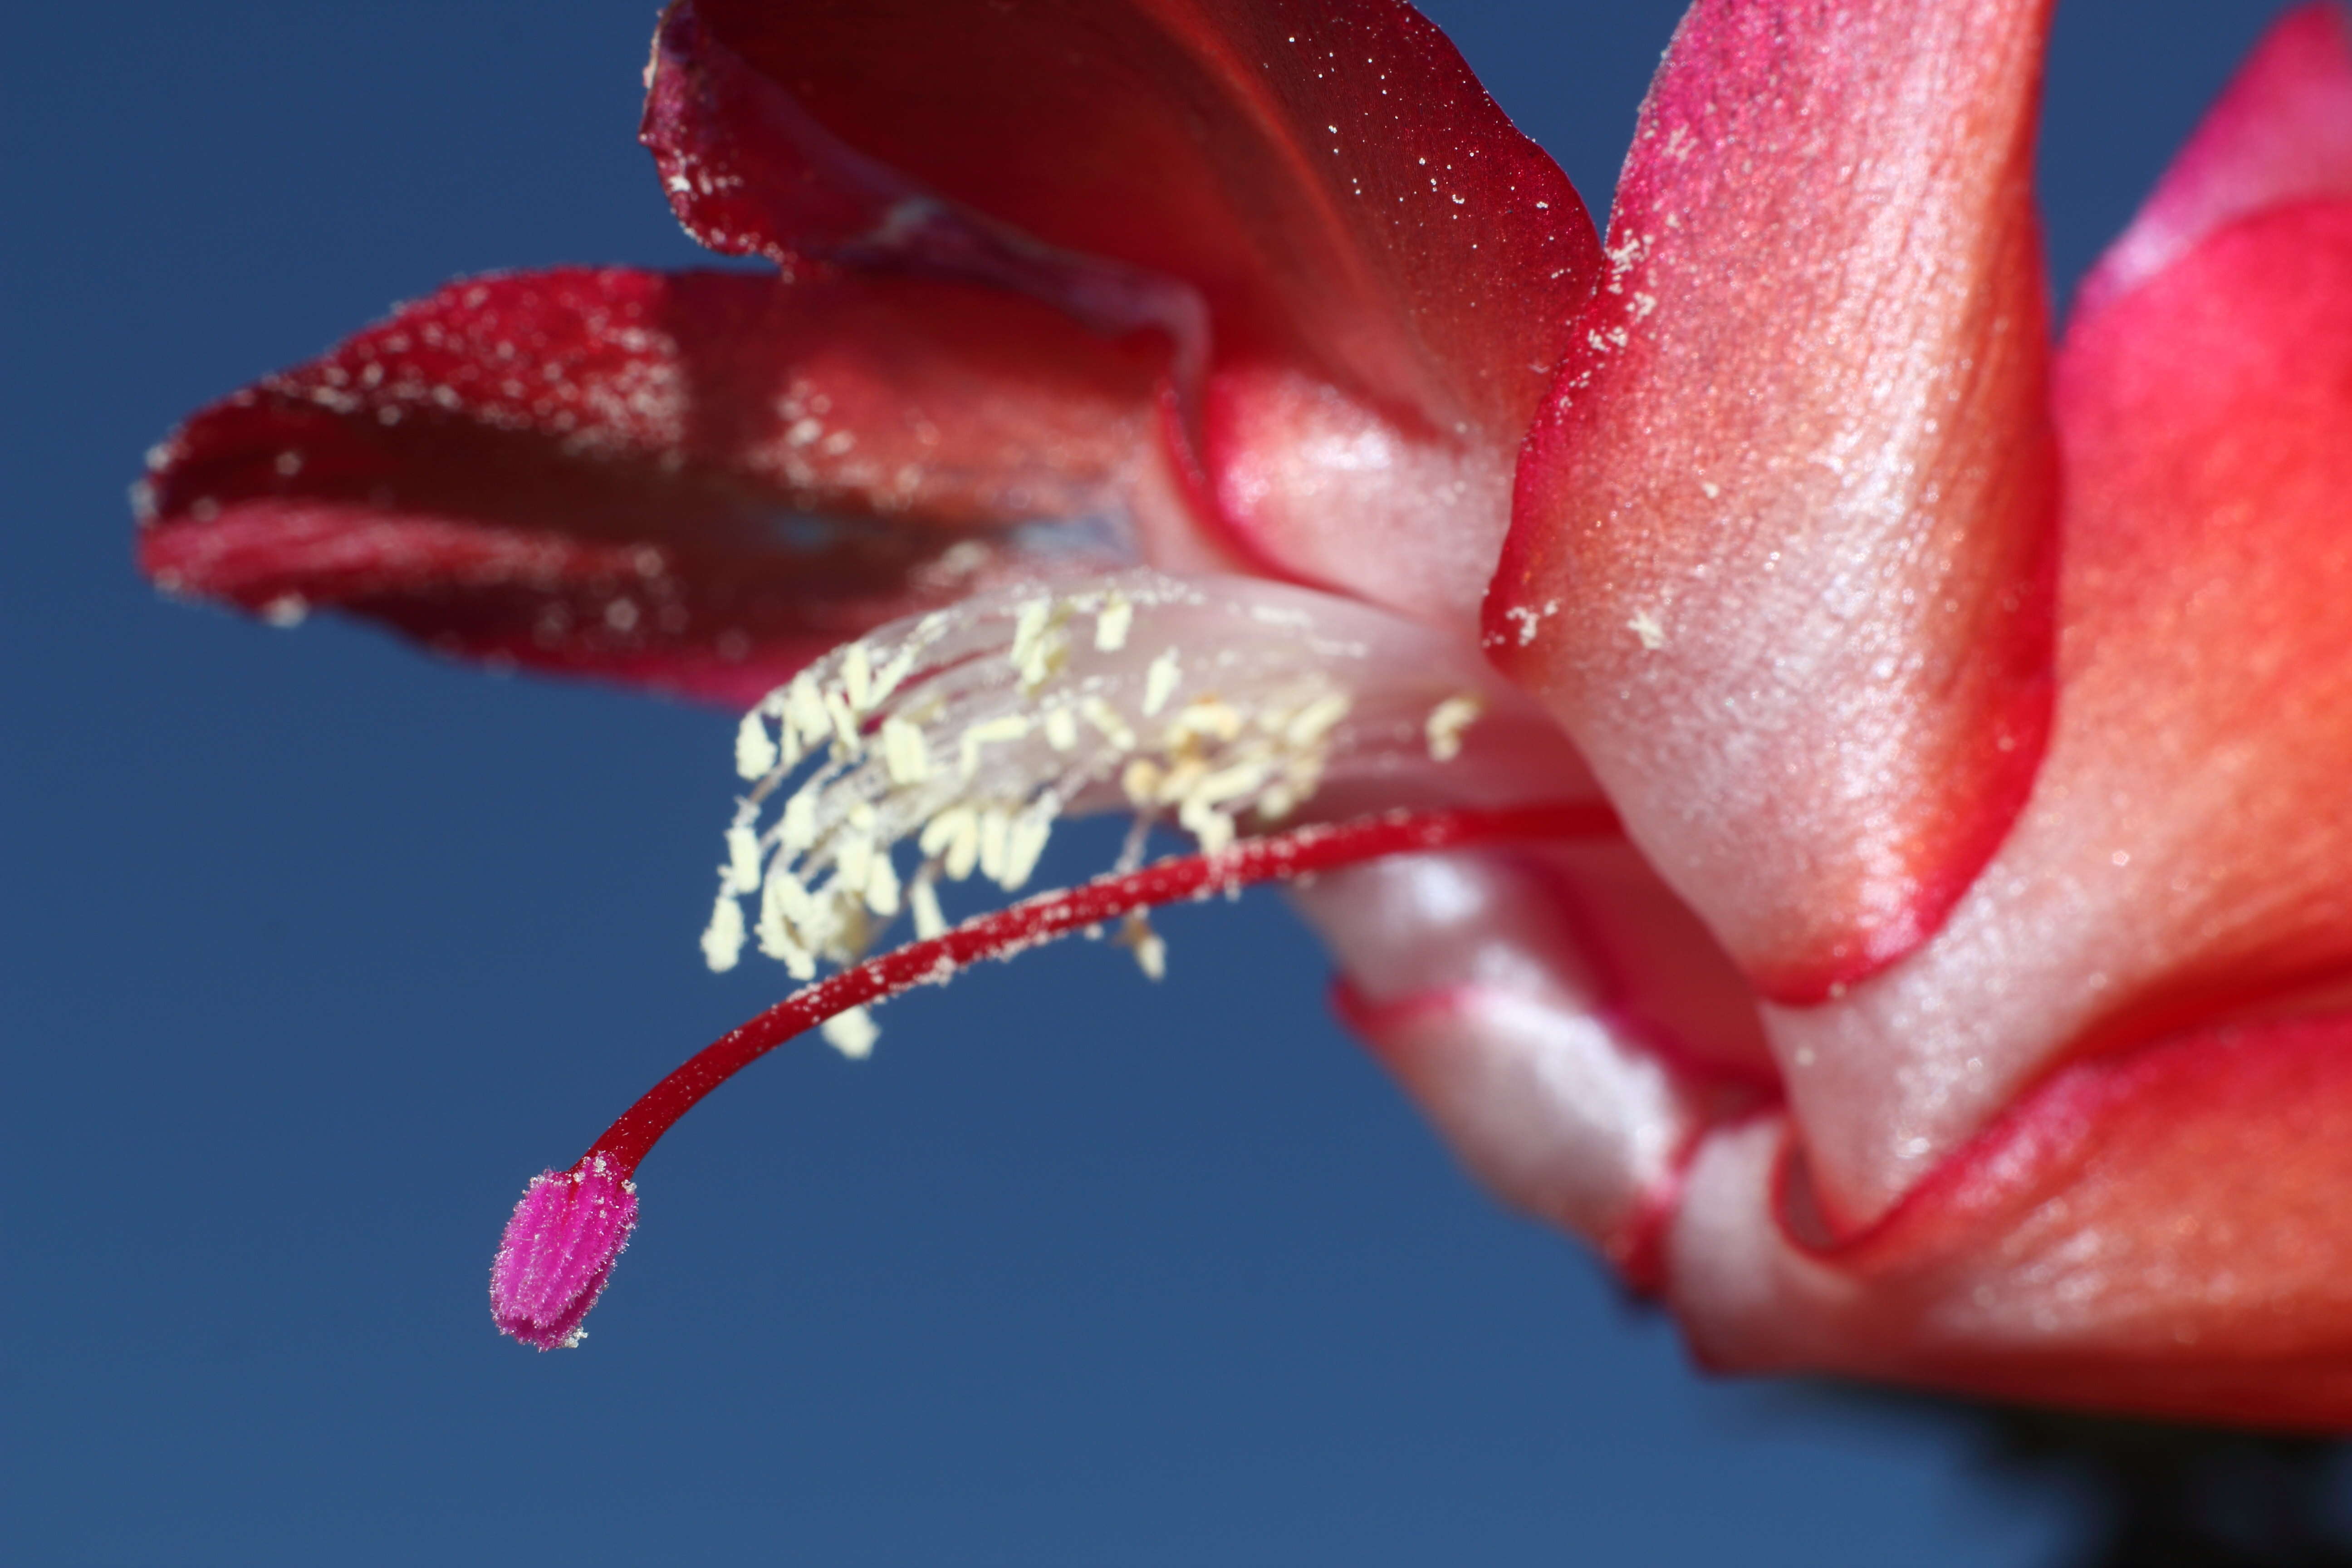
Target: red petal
[
  {"x": 694, "y": 480},
  {"x": 2168, "y": 1231},
  {"x": 1782, "y": 552},
  {"x": 2281, "y": 132},
  {"x": 1386, "y": 267},
  {"x": 2187, "y": 853}
]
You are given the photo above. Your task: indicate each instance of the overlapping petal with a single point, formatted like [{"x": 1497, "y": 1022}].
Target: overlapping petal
[
  {"x": 1367, "y": 271},
  {"x": 1781, "y": 557},
  {"x": 2088, "y": 1145},
  {"x": 2186, "y": 854},
  {"x": 1210, "y": 287},
  {"x": 698, "y": 480},
  {"x": 2169, "y": 1233}
]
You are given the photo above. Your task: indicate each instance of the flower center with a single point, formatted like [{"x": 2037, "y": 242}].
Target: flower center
[{"x": 969, "y": 732}]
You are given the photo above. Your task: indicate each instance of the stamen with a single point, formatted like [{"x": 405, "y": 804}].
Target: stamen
[
  {"x": 1447, "y": 721},
  {"x": 558, "y": 1244},
  {"x": 722, "y": 941},
  {"x": 969, "y": 731},
  {"x": 755, "y": 754},
  {"x": 1135, "y": 935},
  {"x": 1161, "y": 684},
  {"x": 857, "y": 677},
  {"x": 1112, "y": 623},
  {"x": 852, "y": 1033}
]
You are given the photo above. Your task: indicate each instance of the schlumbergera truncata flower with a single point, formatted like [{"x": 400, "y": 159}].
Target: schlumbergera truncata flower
[{"x": 1837, "y": 800}]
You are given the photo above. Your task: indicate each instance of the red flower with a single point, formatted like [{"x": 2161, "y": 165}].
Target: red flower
[{"x": 1965, "y": 1004}]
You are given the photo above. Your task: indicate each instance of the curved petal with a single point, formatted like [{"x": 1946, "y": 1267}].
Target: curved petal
[
  {"x": 2187, "y": 853},
  {"x": 696, "y": 480},
  {"x": 1371, "y": 271},
  {"x": 2281, "y": 132},
  {"x": 2168, "y": 1231},
  {"x": 1559, "y": 1017},
  {"x": 1782, "y": 553}
]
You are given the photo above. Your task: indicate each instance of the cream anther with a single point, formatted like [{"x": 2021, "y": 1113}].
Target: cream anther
[
  {"x": 742, "y": 860},
  {"x": 1447, "y": 721},
  {"x": 755, "y": 753},
  {"x": 905, "y": 751},
  {"x": 966, "y": 735},
  {"x": 1112, "y": 622},
  {"x": 857, "y": 677},
  {"x": 923, "y": 902},
  {"x": 722, "y": 939},
  {"x": 1135, "y": 935},
  {"x": 1161, "y": 684},
  {"x": 852, "y": 1033}
]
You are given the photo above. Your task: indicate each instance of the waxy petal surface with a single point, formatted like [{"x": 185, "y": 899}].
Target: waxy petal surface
[
  {"x": 2187, "y": 853},
  {"x": 1782, "y": 553},
  {"x": 696, "y": 480},
  {"x": 1369, "y": 274},
  {"x": 2168, "y": 1231}
]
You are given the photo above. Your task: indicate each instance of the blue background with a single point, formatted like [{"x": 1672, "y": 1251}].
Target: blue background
[{"x": 315, "y": 950}]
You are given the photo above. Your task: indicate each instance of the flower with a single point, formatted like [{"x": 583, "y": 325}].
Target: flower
[{"x": 1167, "y": 406}]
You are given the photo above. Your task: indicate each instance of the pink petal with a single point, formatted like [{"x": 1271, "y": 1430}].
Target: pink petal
[
  {"x": 2281, "y": 132},
  {"x": 696, "y": 480},
  {"x": 1560, "y": 1019},
  {"x": 1368, "y": 273},
  {"x": 2166, "y": 1231},
  {"x": 1782, "y": 548},
  {"x": 2187, "y": 853}
]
